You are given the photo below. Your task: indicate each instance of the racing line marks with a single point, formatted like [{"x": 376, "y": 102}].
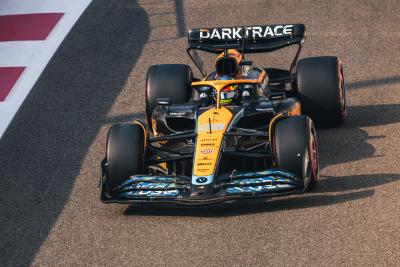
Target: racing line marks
[
  {"x": 30, "y": 33},
  {"x": 27, "y": 27},
  {"x": 8, "y": 77}
]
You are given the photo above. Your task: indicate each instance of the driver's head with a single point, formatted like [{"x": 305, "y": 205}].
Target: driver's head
[
  {"x": 228, "y": 93},
  {"x": 227, "y": 63}
]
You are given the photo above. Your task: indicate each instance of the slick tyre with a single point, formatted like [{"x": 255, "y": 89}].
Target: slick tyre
[
  {"x": 171, "y": 81},
  {"x": 125, "y": 153},
  {"x": 321, "y": 89},
  {"x": 296, "y": 150}
]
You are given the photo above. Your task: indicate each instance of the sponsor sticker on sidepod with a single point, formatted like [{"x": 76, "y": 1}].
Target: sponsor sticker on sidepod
[{"x": 207, "y": 151}]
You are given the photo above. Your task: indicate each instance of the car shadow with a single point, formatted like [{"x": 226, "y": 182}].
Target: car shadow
[
  {"x": 349, "y": 142},
  {"x": 42, "y": 151},
  {"x": 373, "y": 82}
]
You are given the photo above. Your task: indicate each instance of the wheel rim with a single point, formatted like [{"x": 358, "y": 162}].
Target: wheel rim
[
  {"x": 313, "y": 155},
  {"x": 311, "y": 168}
]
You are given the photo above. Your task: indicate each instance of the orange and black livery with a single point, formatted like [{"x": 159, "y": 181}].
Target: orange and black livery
[{"x": 238, "y": 131}]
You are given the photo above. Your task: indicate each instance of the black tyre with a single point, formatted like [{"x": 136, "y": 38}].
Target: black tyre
[
  {"x": 295, "y": 147},
  {"x": 322, "y": 90},
  {"x": 171, "y": 81},
  {"x": 125, "y": 153}
]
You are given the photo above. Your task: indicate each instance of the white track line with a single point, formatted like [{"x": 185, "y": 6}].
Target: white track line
[
  {"x": 34, "y": 55},
  {"x": 9, "y": 7}
]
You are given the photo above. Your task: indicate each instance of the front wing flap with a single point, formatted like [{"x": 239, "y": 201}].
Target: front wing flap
[{"x": 176, "y": 189}]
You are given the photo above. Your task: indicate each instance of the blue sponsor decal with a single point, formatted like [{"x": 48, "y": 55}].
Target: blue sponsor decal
[
  {"x": 150, "y": 193},
  {"x": 148, "y": 186},
  {"x": 262, "y": 182}
]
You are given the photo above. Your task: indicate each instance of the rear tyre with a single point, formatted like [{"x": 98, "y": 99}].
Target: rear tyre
[
  {"x": 125, "y": 153},
  {"x": 296, "y": 150},
  {"x": 321, "y": 89},
  {"x": 171, "y": 81}
]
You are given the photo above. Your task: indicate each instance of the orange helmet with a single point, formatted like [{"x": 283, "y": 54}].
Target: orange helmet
[{"x": 228, "y": 64}]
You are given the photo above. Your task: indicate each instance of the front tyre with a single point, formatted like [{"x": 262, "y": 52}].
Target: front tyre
[
  {"x": 295, "y": 148},
  {"x": 125, "y": 153}
]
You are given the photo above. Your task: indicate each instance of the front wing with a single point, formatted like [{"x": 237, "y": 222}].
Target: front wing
[{"x": 176, "y": 189}]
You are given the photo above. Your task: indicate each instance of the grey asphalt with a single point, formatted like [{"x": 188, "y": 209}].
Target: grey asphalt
[{"x": 50, "y": 213}]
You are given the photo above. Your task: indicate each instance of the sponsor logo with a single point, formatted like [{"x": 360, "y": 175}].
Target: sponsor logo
[
  {"x": 208, "y": 144},
  {"x": 207, "y": 151},
  {"x": 201, "y": 180},
  {"x": 214, "y": 127},
  {"x": 177, "y": 113},
  {"x": 251, "y": 32},
  {"x": 219, "y": 83},
  {"x": 208, "y": 139},
  {"x": 204, "y": 164},
  {"x": 264, "y": 109}
]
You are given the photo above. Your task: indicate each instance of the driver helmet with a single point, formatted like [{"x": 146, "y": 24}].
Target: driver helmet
[{"x": 228, "y": 93}]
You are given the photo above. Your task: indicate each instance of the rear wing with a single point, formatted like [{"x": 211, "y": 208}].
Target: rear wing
[
  {"x": 258, "y": 39},
  {"x": 247, "y": 39}
]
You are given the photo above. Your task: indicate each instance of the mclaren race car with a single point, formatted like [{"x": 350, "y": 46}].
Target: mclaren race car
[{"x": 240, "y": 131}]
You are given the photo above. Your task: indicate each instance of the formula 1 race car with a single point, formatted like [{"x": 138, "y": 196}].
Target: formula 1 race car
[{"x": 238, "y": 132}]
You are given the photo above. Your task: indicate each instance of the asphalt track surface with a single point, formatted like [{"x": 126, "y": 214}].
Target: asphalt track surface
[{"x": 50, "y": 213}]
